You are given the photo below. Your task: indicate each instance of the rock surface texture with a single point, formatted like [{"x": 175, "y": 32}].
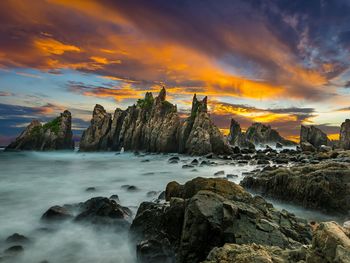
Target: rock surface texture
[
  {"x": 256, "y": 134},
  {"x": 207, "y": 213},
  {"x": 54, "y": 135},
  {"x": 96, "y": 137},
  {"x": 344, "y": 139},
  {"x": 314, "y": 136},
  {"x": 154, "y": 125},
  {"x": 324, "y": 186},
  {"x": 330, "y": 244}
]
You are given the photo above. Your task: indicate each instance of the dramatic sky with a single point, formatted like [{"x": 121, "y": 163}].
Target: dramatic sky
[{"x": 280, "y": 62}]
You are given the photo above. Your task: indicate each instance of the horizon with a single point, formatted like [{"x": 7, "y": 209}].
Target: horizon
[{"x": 278, "y": 63}]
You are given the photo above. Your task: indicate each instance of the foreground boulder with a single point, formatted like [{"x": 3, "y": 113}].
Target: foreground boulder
[
  {"x": 206, "y": 213},
  {"x": 330, "y": 243},
  {"x": 314, "y": 136},
  {"x": 54, "y": 135},
  {"x": 344, "y": 139},
  {"x": 96, "y": 137},
  {"x": 324, "y": 186}
]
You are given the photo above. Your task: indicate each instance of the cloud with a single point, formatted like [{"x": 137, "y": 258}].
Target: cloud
[
  {"x": 5, "y": 94},
  {"x": 212, "y": 46}
]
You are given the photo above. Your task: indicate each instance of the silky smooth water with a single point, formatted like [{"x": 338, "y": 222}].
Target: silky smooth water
[{"x": 31, "y": 182}]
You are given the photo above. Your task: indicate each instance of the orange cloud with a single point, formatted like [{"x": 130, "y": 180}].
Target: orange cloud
[{"x": 51, "y": 46}]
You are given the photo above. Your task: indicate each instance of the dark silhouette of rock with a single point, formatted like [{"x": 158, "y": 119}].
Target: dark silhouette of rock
[
  {"x": 17, "y": 238},
  {"x": 314, "y": 136},
  {"x": 207, "y": 213},
  {"x": 256, "y": 134},
  {"x": 344, "y": 139},
  {"x": 259, "y": 133},
  {"x": 53, "y": 135},
  {"x": 324, "y": 186},
  {"x": 96, "y": 137},
  {"x": 102, "y": 211}
]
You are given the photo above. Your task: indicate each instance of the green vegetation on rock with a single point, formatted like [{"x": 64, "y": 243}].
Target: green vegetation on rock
[
  {"x": 53, "y": 125},
  {"x": 145, "y": 103},
  {"x": 36, "y": 131}
]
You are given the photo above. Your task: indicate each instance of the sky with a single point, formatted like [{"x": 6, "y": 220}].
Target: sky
[{"x": 279, "y": 62}]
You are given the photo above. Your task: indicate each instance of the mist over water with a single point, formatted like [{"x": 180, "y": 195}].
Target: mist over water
[{"x": 31, "y": 182}]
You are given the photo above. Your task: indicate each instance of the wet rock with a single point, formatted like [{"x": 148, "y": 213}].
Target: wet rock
[
  {"x": 17, "y": 238},
  {"x": 103, "y": 211},
  {"x": 253, "y": 253},
  {"x": 318, "y": 186},
  {"x": 212, "y": 212},
  {"x": 96, "y": 136},
  {"x": 195, "y": 162},
  {"x": 57, "y": 213},
  {"x": 307, "y": 147},
  {"x": 174, "y": 158},
  {"x": 90, "y": 189},
  {"x": 232, "y": 176},
  {"x": 187, "y": 166},
  {"x": 330, "y": 244},
  {"x": 151, "y": 193},
  {"x": 14, "y": 250},
  {"x": 219, "y": 173},
  {"x": 54, "y": 135},
  {"x": 115, "y": 198},
  {"x": 279, "y": 145}
]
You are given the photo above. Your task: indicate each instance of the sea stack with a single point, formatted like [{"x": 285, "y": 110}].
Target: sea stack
[
  {"x": 154, "y": 125},
  {"x": 54, "y": 135}
]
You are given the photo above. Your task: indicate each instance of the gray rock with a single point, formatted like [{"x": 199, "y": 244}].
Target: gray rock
[
  {"x": 96, "y": 136},
  {"x": 54, "y": 135},
  {"x": 56, "y": 213},
  {"x": 314, "y": 136}
]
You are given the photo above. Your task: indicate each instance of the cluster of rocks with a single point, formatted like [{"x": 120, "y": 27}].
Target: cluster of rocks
[
  {"x": 207, "y": 213},
  {"x": 154, "y": 125},
  {"x": 324, "y": 186},
  {"x": 54, "y": 135},
  {"x": 256, "y": 134}
]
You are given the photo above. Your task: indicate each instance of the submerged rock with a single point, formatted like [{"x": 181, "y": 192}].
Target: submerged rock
[
  {"x": 57, "y": 213},
  {"x": 54, "y": 135},
  {"x": 103, "y": 211},
  {"x": 206, "y": 213},
  {"x": 17, "y": 238},
  {"x": 324, "y": 186}
]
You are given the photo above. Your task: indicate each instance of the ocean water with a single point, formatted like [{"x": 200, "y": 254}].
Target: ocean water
[{"x": 31, "y": 182}]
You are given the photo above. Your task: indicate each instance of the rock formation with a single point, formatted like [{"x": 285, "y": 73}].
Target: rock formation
[
  {"x": 53, "y": 135},
  {"x": 198, "y": 135},
  {"x": 256, "y": 134},
  {"x": 207, "y": 213},
  {"x": 237, "y": 138},
  {"x": 324, "y": 186},
  {"x": 330, "y": 243},
  {"x": 96, "y": 137},
  {"x": 153, "y": 125},
  {"x": 344, "y": 139},
  {"x": 314, "y": 136}
]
